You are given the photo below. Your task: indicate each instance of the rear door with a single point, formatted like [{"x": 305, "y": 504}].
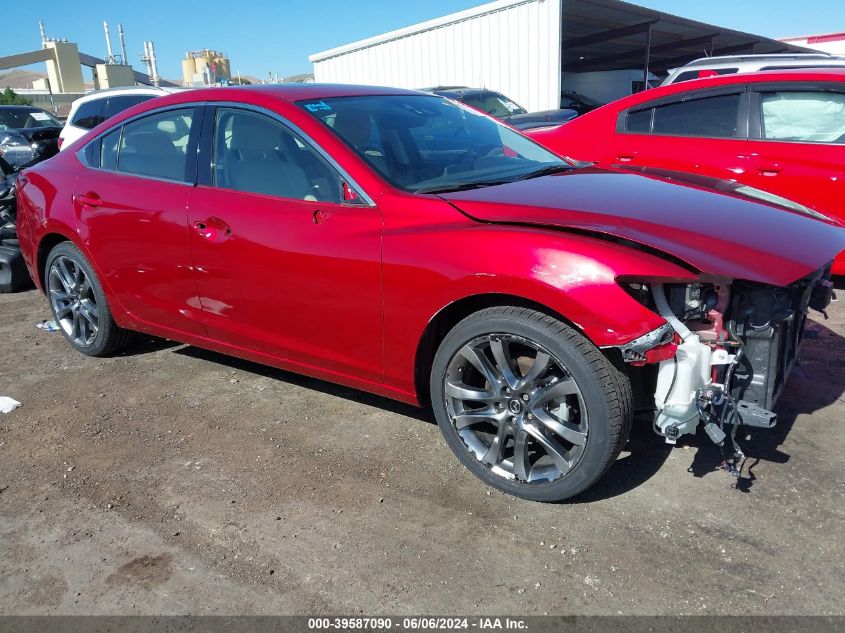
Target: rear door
[
  {"x": 798, "y": 143},
  {"x": 132, "y": 208},
  {"x": 703, "y": 132}
]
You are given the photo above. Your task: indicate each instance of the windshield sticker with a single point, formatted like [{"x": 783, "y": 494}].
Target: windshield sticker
[
  {"x": 40, "y": 116},
  {"x": 317, "y": 106}
]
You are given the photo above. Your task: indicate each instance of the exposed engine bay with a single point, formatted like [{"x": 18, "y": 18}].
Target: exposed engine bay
[{"x": 724, "y": 354}]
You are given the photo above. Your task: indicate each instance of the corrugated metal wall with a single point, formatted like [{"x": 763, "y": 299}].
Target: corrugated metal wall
[{"x": 514, "y": 47}]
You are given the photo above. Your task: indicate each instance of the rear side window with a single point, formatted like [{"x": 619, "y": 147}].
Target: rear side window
[
  {"x": 639, "y": 122},
  {"x": 89, "y": 115},
  {"x": 157, "y": 145},
  {"x": 709, "y": 117},
  {"x": 108, "y": 150},
  {"x": 805, "y": 116},
  {"x": 117, "y": 104},
  {"x": 704, "y": 72}
]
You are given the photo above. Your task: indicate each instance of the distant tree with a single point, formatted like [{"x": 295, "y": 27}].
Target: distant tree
[{"x": 10, "y": 97}]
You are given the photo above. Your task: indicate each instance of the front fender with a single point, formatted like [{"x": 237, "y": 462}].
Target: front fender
[{"x": 571, "y": 275}]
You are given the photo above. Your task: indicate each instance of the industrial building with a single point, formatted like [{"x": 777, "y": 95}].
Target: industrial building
[
  {"x": 532, "y": 50},
  {"x": 833, "y": 43},
  {"x": 205, "y": 68}
]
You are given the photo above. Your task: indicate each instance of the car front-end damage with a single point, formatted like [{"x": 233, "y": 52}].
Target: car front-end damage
[{"x": 724, "y": 354}]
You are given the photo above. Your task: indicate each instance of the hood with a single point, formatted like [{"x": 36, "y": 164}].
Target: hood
[
  {"x": 718, "y": 227},
  {"x": 537, "y": 119}
]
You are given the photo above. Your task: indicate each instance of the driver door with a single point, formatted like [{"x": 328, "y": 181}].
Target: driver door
[{"x": 285, "y": 268}]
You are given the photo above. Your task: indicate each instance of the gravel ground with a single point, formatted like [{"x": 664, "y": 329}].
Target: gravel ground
[{"x": 174, "y": 480}]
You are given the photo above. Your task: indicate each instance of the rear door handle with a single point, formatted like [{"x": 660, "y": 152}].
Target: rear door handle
[
  {"x": 626, "y": 158},
  {"x": 769, "y": 170},
  {"x": 213, "y": 229},
  {"x": 89, "y": 200}
]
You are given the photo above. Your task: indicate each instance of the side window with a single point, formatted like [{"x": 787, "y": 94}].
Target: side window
[
  {"x": 88, "y": 115},
  {"x": 714, "y": 117},
  {"x": 157, "y": 145},
  {"x": 114, "y": 105},
  {"x": 108, "y": 150},
  {"x": 256, "y": 154},
  {"x": 809, "y": 117},
  {"x": 639, "y": 122}
]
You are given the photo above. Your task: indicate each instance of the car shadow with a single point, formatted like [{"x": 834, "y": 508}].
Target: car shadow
[
  {"x": 328, "y": 388},
  {"x": 816, "y": 382}
]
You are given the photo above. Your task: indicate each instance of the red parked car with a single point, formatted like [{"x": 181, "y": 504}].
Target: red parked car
[
  {"x": 406, "y": 245},
  {"x": 778, "y": 131}
]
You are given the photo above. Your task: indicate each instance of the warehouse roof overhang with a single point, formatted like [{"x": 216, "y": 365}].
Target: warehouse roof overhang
[
  {"x": 615, "y": 35},
  {"x": 609, "y": 35}
]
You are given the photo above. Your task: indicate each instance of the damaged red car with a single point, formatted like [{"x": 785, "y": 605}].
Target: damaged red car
[{"x": 409, "y": 246}]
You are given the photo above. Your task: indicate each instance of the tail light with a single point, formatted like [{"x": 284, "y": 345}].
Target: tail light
[{"x": 60, "y": 142}]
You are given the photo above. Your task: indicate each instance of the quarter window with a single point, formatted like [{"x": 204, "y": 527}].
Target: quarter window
[
  {"x": 157, "y": 145},
  {"x": 89, "y": 115},
  {"x": 256, "y": 154},
  {"x": 806, "y": 116},
  {"x": 713, "y": 117},
  {"x": 108, "y": 150}
]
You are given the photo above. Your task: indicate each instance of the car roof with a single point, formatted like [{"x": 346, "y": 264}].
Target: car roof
[
  {"x": 130, "y": 90},
  {"x": 292, "y": 92},
  {"x": 777, "y": 57},
  {"x": 463, "y": 91},
  {"x": 803, "y": 75}
]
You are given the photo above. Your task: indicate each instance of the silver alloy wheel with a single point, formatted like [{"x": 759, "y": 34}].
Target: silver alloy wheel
[
  {"x": 73, "y": 301},
  {"x": 516, "y": 408}
]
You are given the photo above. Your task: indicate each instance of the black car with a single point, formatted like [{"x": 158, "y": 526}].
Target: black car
[
  {"x": 578, "y": 102},
  {"x": 498, "y": 105},
  {"x": 27, "y": 135}
]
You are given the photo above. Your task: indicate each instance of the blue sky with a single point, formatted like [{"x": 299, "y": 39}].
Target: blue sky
[{"x": 262, "y": 36}]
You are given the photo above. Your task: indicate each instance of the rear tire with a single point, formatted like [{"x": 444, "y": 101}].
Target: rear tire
[
  {"x": 528, "y": 404},
  {"x": 79, "y": 305}
]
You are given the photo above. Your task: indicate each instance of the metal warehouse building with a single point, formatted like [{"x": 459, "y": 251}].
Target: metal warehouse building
[{"x": 532, "y": 49}]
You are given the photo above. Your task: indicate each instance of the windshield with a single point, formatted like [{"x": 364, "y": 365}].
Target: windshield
[
  {"x": 493, "y": 104},
  {"x": 428, "y": 144},
  {"x": 18, "y": 118}
]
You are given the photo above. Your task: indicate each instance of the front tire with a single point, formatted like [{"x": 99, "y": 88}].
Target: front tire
[
  {"x": 528, "y": 404},
  {"x": 79, "y": 305}
]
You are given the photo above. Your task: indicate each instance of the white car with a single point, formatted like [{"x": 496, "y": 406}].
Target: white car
[
  {"x": 710, "y": 66},
  {"x": 89, "y": 111}
]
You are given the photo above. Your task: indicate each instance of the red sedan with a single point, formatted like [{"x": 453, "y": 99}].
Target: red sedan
[
  {"x": 779, "y": 131},
  {"x": 406, "y": 245}
]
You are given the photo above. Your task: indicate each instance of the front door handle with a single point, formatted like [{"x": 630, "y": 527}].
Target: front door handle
[
  {"x": 626, "y": 158},
  {"x": 213, "y": 229},
  {"x": 769, "y": 170},
  {"x": 89, "y": 199}
]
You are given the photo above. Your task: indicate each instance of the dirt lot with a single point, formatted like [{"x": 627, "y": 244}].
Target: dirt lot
[{"x": 174, "y": 480}]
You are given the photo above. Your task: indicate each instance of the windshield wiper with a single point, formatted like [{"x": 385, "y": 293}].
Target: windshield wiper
[
  {"x": 544, "y": 171},
  {"x": 461, "y": 186}
]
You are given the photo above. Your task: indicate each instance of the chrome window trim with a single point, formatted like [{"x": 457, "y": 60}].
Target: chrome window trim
[
  {"x": 80, "y": 154},
  {"x": 344, "y": 175}
]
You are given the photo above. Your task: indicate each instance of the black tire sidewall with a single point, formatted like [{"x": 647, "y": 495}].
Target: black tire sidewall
[
  {"x": 106, "y": 324},
  {"x": 590, "y": 466}
]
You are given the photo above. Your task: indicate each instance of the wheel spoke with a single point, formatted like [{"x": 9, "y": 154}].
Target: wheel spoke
[
  {"x": 541, "y": 362},
  {"x": 465, "y": 392},
  {"x": 552, "y": 447},
  {"x": 74, "y": 330},
  {"x": 65, "y": 275},
  {"x": 495, "y": 453},
  {"x": 521, "y": 461},
  {"x": 503, "y": 362},
  {"x": 59, "y": 295},
  {"x": 568, "y": 432},
  {"x": 480, "y": 361},
  {"x": 468, "y": 417},
  {"x": 555, "y": 391},
  {"x": 90, "y": 318},
  {"x": 62, "y": 312}
]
